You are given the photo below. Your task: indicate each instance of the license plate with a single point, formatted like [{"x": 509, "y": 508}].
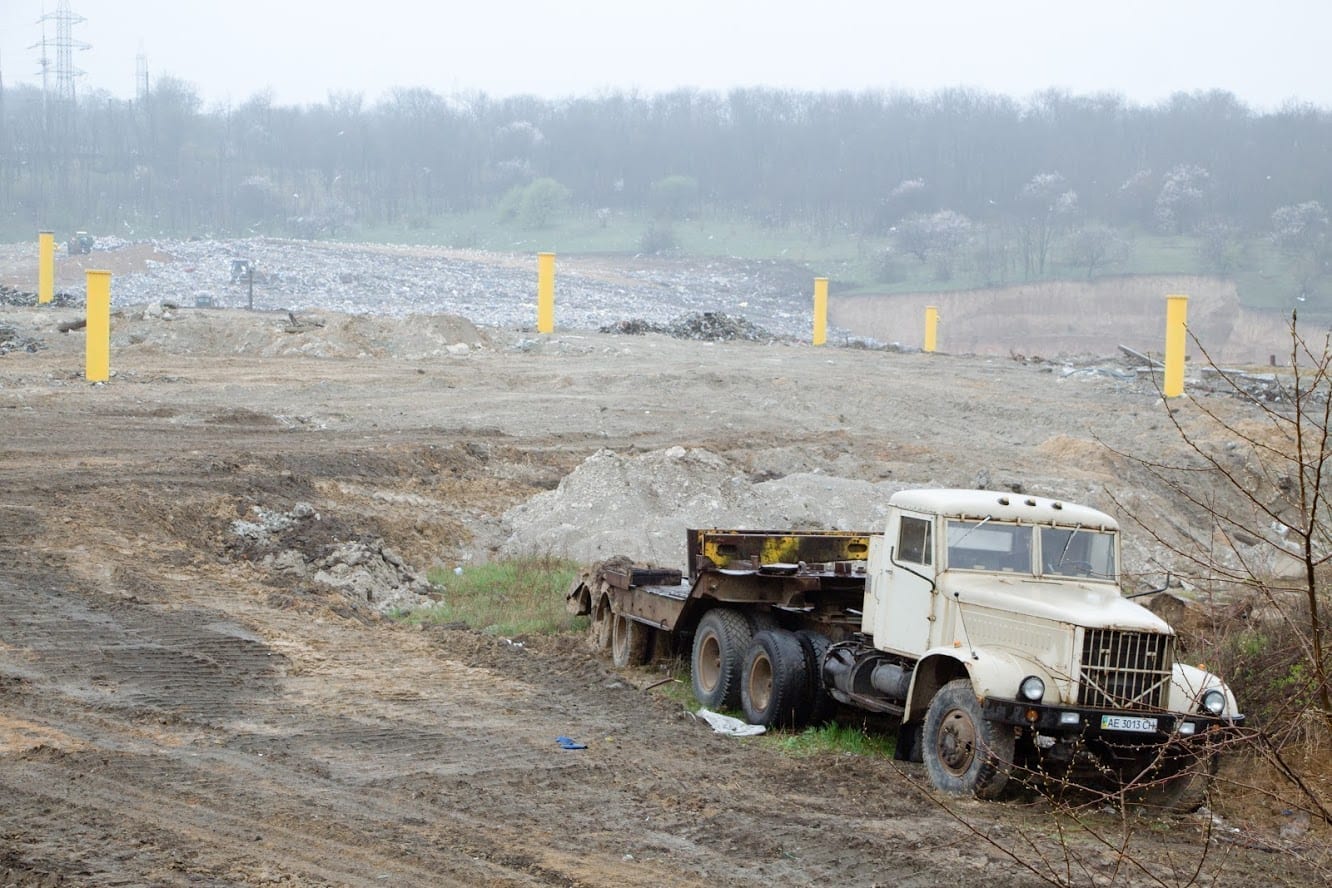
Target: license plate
[{"x": 1135, "y": 723}]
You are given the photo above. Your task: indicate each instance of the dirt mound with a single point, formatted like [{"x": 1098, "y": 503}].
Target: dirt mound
[
  {"x": 322, "y": 334},
  {"x": 641, "y": 505}
]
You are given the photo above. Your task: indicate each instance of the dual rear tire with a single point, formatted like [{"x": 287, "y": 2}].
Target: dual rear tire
[
  {"x": 742, "y": 660},
  {"x": 774, "y": 684}
]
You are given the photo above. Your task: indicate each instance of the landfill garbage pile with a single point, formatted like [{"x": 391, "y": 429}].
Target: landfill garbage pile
[
  {"x": 707, "y": 326},
  {"x": 25, "y": 298},
  {"x": 719, "y": 298}
]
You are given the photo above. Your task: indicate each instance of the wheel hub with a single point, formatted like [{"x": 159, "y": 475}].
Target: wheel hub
[
  {"x": 957, "y": 742},
  {"x": 709, "y": 663},
  {"x": 760, "y": 683}
]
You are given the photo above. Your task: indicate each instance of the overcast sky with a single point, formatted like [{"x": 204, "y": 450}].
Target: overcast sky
[{"x": 1266, "y": 53}]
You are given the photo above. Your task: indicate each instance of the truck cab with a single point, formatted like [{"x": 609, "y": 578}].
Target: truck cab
[{"x": 1017, "y": 598}]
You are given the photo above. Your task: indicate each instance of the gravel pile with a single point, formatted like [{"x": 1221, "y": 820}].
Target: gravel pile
[
  {"x": 744, "y": 299},
  {"x": 641, "y": 505}
]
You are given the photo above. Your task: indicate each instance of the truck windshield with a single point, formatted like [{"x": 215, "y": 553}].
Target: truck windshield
[
  {"x": 988, "y": 545},
  {"x": 1077, "y": 552}
]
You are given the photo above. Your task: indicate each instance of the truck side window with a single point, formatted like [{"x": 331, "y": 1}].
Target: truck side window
[{"x": 913, "y": 541}]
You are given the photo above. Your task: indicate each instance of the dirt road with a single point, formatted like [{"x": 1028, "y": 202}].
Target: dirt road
[{"x": 174, "y": 711}]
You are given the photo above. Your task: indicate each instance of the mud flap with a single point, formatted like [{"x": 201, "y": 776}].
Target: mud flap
[
  {"x": 578, "y": 601},
  {"x": 908, "y": 743}
]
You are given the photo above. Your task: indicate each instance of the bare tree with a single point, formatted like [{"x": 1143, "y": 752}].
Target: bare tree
[
  {"x": 927, "y": 234},
  {"x": 1096, "y": 246},
  {"x": 1300, "y": 231},
  {"x": 1183, "y": 198},
  {"x": 1045, "y": 206},
  {"x": 1259, "y": 485}
]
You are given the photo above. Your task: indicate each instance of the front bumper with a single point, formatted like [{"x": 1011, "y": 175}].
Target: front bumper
[{"x": 1077, "y": 721}]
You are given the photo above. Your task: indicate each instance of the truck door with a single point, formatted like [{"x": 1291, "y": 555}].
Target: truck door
[{"x": 904, "y": 597}]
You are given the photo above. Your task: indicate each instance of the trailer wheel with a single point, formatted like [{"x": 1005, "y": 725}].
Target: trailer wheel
[
  {"x": 601, "y": 624},
  {"x": 774, "y": 684},
  {"x": 631, "y": 641},
  {"x": 821, "y": 704},
  {"x": 964, "y": 753},
  {"x": 718, "y": 657}
]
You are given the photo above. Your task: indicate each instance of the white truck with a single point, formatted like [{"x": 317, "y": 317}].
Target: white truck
[{"x": 990, "y": 624}]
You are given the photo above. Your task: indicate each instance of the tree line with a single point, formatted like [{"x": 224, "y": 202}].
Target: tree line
[{"x": 927, "y": 169}]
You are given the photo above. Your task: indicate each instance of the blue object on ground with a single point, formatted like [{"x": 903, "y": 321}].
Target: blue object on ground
[{"x": 569, "y": 743}]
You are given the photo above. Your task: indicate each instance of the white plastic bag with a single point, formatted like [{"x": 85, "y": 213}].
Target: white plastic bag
[{"x": 724, "y": 724}]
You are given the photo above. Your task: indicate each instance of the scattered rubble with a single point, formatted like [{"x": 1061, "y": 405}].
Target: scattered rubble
[
  {"x": 369, "y": 574},
  {"x": 11, "y": 340},
  {"x": 375, "y": 575},
  {"x": 267, "y": 522},
  {"x": 1268, "y": 387}
]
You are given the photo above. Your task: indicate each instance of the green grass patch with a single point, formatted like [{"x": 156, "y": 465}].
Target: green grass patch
[
  {"x": 581, "y": 231},
  {"x": 521, "y": 596},
  {"x": 835, "y": 739}
]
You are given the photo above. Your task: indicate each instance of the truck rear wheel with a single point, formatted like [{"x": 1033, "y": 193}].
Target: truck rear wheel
[
  {"x": 820, "y": 703},
  {"x": 631, "y": 641},
  {"x": 774, "y": 688},
  {"x": 964, "y": 753},
  {"x": 718, "y": 657}
]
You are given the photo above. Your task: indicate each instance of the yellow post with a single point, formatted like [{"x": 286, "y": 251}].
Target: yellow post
[
  {"x": 545, "y": 292},
  {"x": 931, "y": 328},
  {"x": 820, "y": 311},
  {"x": 45, "y": 267},
  {"x": 1177, "y": 315},
  {"x": 98, "y": 343}
]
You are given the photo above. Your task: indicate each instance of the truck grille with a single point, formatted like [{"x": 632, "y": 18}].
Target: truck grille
[{"x": 1125, "y": 670}]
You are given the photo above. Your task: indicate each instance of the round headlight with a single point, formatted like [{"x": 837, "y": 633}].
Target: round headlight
[
  {"x": 1214, "y": 701},
  {"x": 1032, "y": 688}
]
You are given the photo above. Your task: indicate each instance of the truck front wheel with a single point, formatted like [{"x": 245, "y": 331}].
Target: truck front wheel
[
  {"x": 718, "y": 657},
  {"x": 1183, "y": 790},
  {"x": 773, "y": 687},
  {"x": 965, "y": 754}
]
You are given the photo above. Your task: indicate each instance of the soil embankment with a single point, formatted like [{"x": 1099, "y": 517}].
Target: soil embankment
[{"x": 1057, "y": 318}]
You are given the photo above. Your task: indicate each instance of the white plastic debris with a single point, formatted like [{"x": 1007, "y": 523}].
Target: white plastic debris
[{"x": 724, "y": 724}]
